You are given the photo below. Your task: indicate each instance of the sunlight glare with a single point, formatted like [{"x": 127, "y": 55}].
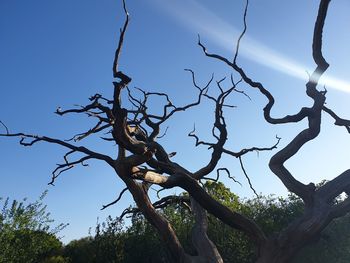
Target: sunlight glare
[{"x": 199, "y": 19}]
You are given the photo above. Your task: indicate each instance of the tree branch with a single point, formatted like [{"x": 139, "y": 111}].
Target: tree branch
[
  {"x": 120, "y": 43},
  {"x": 81, "y": 149},
  {"x": 115, "y": 201},
  {"x": 338, "y": 121},
  {"x": 246, "y": 176}
]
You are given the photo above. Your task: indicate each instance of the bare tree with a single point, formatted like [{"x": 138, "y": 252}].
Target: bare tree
[{"x": 142, "y": 161}]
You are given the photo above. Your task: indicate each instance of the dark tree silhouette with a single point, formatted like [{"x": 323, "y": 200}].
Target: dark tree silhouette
[{"x": 142, "y": 161}]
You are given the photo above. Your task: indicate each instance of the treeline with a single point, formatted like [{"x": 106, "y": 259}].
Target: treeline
[{"x": 113, "y": 241}]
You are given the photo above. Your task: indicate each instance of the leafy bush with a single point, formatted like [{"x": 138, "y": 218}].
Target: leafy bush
[{"x": 25, "y": 232}]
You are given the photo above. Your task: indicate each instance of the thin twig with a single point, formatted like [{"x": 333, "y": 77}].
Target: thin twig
[
  {"x": 246, "y": 175},
  {"x": 115, "y": 201},
  {"x": 7, "y": 130}
]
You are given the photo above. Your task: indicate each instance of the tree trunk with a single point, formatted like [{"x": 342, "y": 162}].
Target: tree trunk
[
  {"x": 282, "y": 248},
  {"x": 206, "y": 249},
  {"x": 272, "y": 253}
]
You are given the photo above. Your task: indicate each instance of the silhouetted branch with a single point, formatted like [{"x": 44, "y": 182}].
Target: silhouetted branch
[
  {"x": 115, "y": 201},
  {"x": 237, "y": 90},
  {"x": 220, "y": 126},
  {"x": 243, "y": 32},
  {"x": 94, "y": 105},
  {"x": 160, "y": 190},
  {"x": 160, "y": 204},
  {"x": 253, "y": 149},
  {"x": 67, "y": 166},
  {"x": 246, "y": 176},
  {"x": 154, "y": 121},
  {"x": 3, "y": 124},
  {"x": 120, "y": 43},
  {"x": 338, "y": 121},
  {"x": 37, "y": 138},
  {"x": 198, "y": 141},
  {"x": 218, "y": 176},
  {"x": 96, "y": 129},
  {"x": 161, "y": 136},
  {"x": 267, "y": 109},
  {"x": 228, "y": 174}
]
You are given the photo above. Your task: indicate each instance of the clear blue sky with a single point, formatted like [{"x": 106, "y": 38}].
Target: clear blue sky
[{"x": 58, "y": 53}]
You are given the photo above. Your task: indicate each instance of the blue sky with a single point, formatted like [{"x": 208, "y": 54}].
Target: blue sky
[{"x": 58, "y": 53}]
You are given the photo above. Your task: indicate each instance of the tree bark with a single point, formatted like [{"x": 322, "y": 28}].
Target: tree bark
[
  {"x": 271, "y": 253},
  {"x": 206, "y": 249}
]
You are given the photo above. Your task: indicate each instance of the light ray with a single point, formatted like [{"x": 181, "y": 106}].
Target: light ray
[{"x": 197, "y": 18}]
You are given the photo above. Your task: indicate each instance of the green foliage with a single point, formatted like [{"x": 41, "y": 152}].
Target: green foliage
[
  {"x": 107, "y": 246},
  {"x": 272, "y": 213},
  {"x": 333, "y": 245},
  {"x": 109, "y": 241},
  {"x": 223, "y": 194},
  {"x": 56, "y": 259},
  {"x": 142, "y": 243},
  {"x": 80, "y": 251},
  {"x": 32, "y": 216},
  {"x": 25, "y": 232},
  {"x": 139, "y": 242}
]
